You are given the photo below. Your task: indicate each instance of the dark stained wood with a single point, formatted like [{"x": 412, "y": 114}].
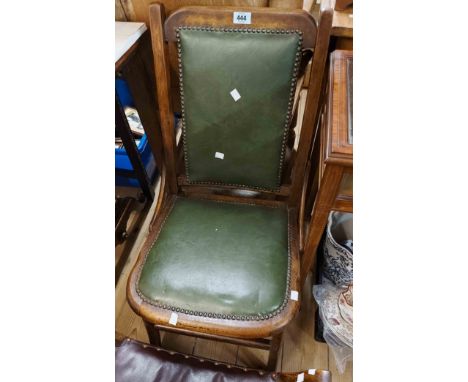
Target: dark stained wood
[
  {"x": 129, "y": 53},
  {"x": 153, "y": 334},
  {"x": 342, "y": 43},
  {"x": 274, "y": 350}
]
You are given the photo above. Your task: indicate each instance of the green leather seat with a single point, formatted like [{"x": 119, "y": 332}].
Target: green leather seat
[{"x": 219, "y": 259}]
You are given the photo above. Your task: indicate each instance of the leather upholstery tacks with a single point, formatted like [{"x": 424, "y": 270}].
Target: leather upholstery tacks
[
  {"x": 219, "y": 259},
  {"x": 230, "y": 140}
]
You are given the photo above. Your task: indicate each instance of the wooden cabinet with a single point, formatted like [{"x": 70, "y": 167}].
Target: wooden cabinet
[{"x": 334, "y": 168}]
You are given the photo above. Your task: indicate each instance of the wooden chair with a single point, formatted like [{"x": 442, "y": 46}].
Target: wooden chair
[{"x": 222, "y": 259}]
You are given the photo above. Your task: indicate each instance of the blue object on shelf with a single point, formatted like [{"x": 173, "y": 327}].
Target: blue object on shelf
[
  {"x": 123, "y": 93},
  {"x": 122, "y": 162}
]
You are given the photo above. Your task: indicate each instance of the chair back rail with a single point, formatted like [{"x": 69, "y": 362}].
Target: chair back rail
[
  {"x": 264, "y": 18},
  {"x": 316, "y": 84}
]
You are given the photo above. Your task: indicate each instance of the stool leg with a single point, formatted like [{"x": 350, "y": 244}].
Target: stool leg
[
  {"x": 274, "y": 350},
  {"x": 153, "y": 334}
]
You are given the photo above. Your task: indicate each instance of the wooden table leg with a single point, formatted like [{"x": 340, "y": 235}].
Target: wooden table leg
[
  {"x": 274, "y": 350},
  {"x": 153, "y": 334},
  {"x": 328, "y": 190}
]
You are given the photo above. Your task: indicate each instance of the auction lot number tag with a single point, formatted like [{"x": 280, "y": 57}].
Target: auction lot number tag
[{"x": 242, "y": 18}]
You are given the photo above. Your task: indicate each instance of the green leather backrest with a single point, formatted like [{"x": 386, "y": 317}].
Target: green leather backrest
[{"x": 230, "y": 140}]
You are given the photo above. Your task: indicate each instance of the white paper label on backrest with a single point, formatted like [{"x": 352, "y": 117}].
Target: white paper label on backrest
[
  {"x": 312, "y": 371},
  {"x": 242, "y": 18},
  {"x": 235, "y": 95},
  {"x": 300, "y": 377},
  {"x": 219, "y": 155}
]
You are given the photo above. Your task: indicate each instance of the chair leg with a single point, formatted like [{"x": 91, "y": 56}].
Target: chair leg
[
  {"x": 274, "y": 350},
  {"x": 153, "y": 334}
]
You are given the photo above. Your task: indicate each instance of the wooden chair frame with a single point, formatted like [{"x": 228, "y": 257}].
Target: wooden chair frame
[{"x": 251, "y": 333}]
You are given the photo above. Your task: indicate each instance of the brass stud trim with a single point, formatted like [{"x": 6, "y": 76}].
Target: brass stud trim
[{"x": 237, "y": 317}]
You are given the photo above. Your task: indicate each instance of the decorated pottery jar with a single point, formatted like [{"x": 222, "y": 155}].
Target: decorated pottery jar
[
  {"x": 336, "y": 311},
  {"x": 338, "y": 249}
]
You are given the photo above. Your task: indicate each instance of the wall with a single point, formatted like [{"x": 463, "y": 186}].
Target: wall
[{"x": 137, "y": 10}]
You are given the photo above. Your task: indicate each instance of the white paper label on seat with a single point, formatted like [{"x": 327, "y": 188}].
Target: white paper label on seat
[
  {"x": 294, "y": 295},
  {"x": 311, "y": 371},
  {"x": 235, "y": 94},
  {"x": 242, "y": 18},
  {"x": 219, "y": 155},
  {"x": 173, "y": 319},
  {"x": 300, "y": 377}
]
